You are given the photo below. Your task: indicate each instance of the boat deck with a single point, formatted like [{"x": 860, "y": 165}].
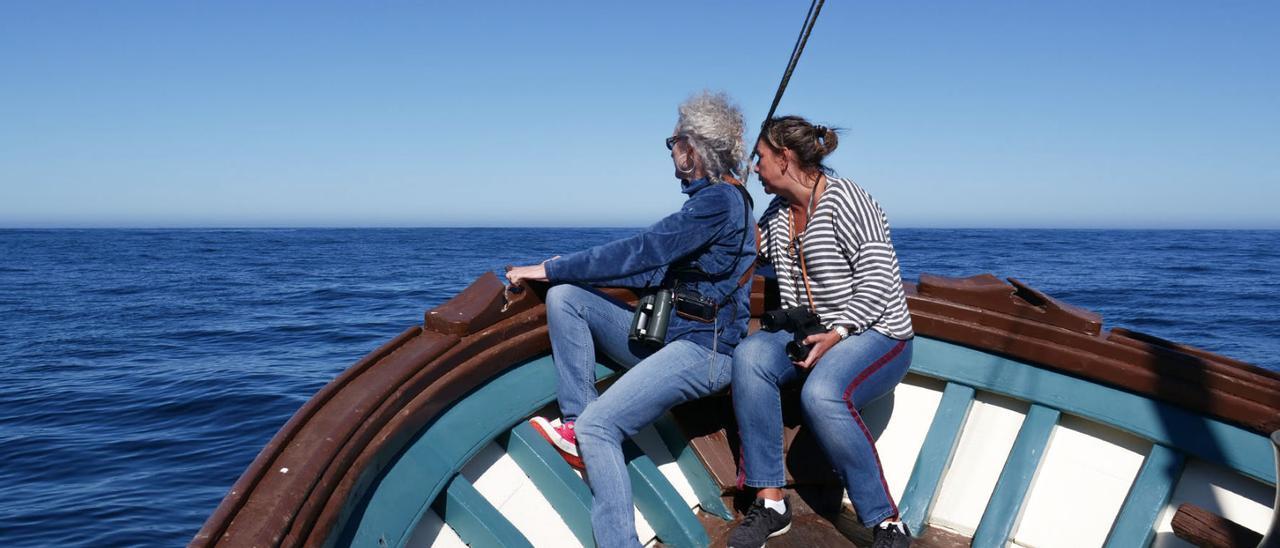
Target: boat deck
[{"x": 809, "y": 528}]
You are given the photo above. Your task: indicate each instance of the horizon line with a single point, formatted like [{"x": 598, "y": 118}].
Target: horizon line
[{"x": 602, "y": 227}]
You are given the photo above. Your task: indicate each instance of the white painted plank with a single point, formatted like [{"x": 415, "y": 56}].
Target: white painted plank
[
  {"x": 501, "y": 482},
  {"x": 980, "y": 455},
  {"x": 1080, "y": 485},
  {"x": 494, "y": 474},
  {"x": 910, "y": 410},
  {"x": 433, "y": 531},
  {"x": 644, "y": 531},
  {"x": 650, "y": 442},
  {"x": 535, "y": 518}
]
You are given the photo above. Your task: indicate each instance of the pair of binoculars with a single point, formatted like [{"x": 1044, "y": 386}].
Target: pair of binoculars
[{"x": 652, "y": 317}]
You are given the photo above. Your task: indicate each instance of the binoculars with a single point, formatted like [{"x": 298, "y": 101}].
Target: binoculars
[{"x": 652, "y": 316}]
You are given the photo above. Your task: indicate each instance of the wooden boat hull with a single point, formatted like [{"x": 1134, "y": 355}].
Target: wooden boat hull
[{"x": 1020, "y": 422}]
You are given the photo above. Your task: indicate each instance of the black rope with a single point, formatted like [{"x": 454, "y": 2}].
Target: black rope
[
  {"x": 796, "y": 51},
  {"x": 810, "y": 18}
]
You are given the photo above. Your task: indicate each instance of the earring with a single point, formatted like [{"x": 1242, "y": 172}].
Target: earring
[{"x": 687, "y": 165}]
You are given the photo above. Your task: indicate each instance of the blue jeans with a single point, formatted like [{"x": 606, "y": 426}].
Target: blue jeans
[
  {"x": 851, "y": 374},
  {"x": 582, "y": 322}
]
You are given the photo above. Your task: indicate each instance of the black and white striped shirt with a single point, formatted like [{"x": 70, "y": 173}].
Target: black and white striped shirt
[{"x": 853, "y": 270}]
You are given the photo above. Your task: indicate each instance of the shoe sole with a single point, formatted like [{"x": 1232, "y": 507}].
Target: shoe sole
[
  {"x": 774, "y": 534},
  {"x": 781, "y": 531}
]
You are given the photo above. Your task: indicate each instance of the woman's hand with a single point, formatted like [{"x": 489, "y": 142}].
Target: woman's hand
[
  {"x": 538, "y": 272},
  {"x": 821, "y": 342}
]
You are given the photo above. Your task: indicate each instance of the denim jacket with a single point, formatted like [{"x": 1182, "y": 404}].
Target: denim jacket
[{"x": 704, "y": 236}]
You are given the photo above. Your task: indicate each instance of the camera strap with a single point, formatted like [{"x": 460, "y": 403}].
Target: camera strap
[{"x": 799, "y": 245}]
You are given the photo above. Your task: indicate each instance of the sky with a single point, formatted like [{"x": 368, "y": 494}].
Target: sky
[{"x": 1083, "y": 114}]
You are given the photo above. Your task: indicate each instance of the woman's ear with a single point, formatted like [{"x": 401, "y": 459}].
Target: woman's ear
[{"x": 684, "y": 158}]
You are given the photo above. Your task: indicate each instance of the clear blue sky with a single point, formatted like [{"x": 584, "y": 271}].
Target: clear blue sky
[{"x": 959, "y": 114}]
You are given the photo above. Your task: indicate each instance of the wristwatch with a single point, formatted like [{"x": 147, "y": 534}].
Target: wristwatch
[{"x": 844, "y": 332}]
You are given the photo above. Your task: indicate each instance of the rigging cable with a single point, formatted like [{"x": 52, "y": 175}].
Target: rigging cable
[{"x": 815, "y": 7}]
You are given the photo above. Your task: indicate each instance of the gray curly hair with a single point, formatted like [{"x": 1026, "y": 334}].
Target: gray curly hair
[{"x": 714, "y": 127}]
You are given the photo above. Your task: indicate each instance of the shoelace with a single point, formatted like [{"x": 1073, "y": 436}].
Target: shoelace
[
  {"x": 567, "y": 433},
  {"x": 886, "y": 539}
]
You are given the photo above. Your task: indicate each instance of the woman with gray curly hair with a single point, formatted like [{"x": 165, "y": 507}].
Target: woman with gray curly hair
[{"x": 698, "y": 259}]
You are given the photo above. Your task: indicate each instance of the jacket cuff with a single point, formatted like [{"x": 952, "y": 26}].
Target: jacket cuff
[{"x": 551, "y": 267}]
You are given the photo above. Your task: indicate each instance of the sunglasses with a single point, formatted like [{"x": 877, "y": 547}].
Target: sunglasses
[{"x": 672, "y": 140}]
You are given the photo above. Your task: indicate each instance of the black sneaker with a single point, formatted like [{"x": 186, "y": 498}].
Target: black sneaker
[
  {"x": 760, "y": 524},
  {"x": 891, "y": 535}
]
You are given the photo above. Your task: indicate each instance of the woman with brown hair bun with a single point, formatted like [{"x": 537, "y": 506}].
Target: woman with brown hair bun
[{"x": 844, "y": 331}]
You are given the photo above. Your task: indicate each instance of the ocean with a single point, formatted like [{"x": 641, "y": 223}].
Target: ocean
[{"x": 144, "y": 369}]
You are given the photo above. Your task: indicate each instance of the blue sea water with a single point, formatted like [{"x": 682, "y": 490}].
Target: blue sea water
[{"x": 144, "y": 369}]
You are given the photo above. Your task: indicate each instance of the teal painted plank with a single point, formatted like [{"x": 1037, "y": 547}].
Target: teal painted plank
[
  {"x": 704, "y": 487},
  {"x": 1015, "y": 479},
  {"x": 566, "y": 492},
  {"x": 1161, "y": 423},
  {"x": 935, "y": 455},
  {"x": 420, "y": 473},
  {"x": 661, "y": 505},
  {"x": 377, "y": 526},
  {"x": 1150, "y": 493},
  {"x": 476, "y": 521}
]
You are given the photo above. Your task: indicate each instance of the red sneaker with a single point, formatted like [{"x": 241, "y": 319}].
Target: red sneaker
[{"x": 562, "y": 438}]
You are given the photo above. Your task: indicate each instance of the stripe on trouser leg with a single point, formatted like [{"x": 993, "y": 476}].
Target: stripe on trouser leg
[
  {"x": 742, "y": 464},
  {"x": 853, "y": 411}
]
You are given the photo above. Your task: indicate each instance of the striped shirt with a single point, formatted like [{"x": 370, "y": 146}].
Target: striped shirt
[{"x": 853, "y": 270}]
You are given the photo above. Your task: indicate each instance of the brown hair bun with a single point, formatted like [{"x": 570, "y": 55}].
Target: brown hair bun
[{"x": 810, "y": 143}]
